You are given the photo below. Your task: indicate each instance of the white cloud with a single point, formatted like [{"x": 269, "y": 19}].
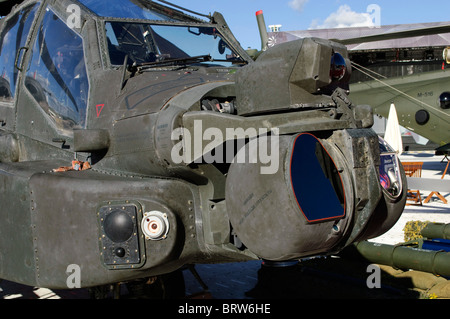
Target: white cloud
[
  {"x": 344, "y": 17},
  {"x": 298, "y": 4}
]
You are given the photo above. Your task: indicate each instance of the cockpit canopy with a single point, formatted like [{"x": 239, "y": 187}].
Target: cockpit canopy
[
  {"x": 142, "y": 33},
  {"x": 166, "y": 34}
]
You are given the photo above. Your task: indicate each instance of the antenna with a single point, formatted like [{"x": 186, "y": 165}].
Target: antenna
[{"x": 262, "y": 30}]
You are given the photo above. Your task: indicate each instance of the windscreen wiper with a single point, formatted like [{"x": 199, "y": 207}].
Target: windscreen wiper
[{"x": 180, "y": 61}]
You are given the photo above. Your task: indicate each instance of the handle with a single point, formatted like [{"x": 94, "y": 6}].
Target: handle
[{"x": 17, "y": 58}]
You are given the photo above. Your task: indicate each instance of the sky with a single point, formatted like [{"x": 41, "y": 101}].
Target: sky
[{"x": 314, "y": 14}]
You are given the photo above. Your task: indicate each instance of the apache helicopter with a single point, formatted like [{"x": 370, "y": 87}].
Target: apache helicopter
[{"x": 138, "y": 137}]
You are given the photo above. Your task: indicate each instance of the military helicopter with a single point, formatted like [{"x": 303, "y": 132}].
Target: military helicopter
[
  {"x": 422, "y": 100},
  {"x": 138, "y": 137}
]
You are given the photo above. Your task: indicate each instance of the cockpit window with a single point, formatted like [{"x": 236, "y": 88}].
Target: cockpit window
[
  {"x": 57, "y": 76},
  {"x": 132, "y": 9},
  {"x": 12, "y": 39},
  {"x": 144, "y": 43}
]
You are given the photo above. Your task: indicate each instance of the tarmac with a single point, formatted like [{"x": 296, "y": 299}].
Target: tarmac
[{"x": 249, "y": 280}]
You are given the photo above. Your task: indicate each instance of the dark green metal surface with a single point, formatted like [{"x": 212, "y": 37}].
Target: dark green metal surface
[
  {"x": 213, "y": 211},
  {"x": 405, "y": 257},
  {"x": 436, "y": 230}
]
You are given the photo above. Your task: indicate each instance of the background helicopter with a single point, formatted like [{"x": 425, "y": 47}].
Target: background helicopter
[{"x": 421, "y": 100}]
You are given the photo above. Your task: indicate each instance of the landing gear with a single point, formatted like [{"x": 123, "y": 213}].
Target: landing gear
[{"x": 168, "y": 286}]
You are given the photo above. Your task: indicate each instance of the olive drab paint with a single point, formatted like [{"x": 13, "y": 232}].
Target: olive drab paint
[{"x": 184, "y": 149}]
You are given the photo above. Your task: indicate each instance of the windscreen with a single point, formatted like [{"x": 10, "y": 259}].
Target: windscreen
[
  {"x": 56, "y": 75},
  {"x": 144, "y": 43}
]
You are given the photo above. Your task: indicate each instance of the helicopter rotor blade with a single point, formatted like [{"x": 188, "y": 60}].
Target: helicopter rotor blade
[{"x": 396, "y": 35}]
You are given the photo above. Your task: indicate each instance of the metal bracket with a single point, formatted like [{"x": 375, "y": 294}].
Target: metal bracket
[{"x": 344, "y": 106}]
